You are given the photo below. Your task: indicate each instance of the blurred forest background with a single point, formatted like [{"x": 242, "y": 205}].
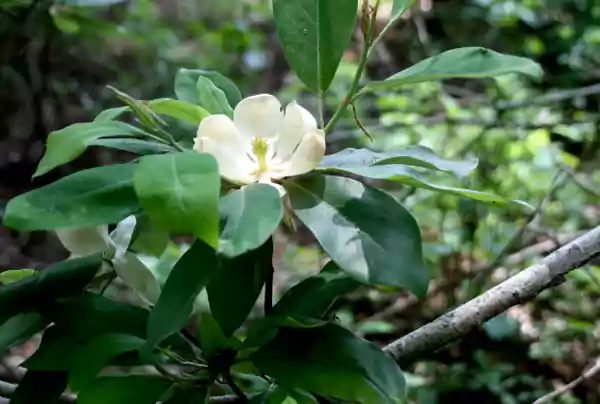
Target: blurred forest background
[{"x": 535, "y": 141}]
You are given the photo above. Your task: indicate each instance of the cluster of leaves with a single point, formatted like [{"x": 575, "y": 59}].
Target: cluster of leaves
[{"x": 170, "y": 190}]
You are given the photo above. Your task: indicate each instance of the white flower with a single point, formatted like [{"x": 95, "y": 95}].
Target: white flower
[
  {"x": 85, "y": 241},
  {"x": 263, "y": 142}
]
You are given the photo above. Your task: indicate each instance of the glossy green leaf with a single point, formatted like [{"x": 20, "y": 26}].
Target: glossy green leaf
[
  {"x": 20, "y": 328},
  {"x": 250, "y": 272},
  {"x": 67, "y": 144},
  {"x": 180, "y": 193},
  {"x": 470, "y": 62},
  {"x": 251, "y": 215},
  {"x": 178, "y": 109},
  {"x": 99, "y": 195},
  {"x": 90, "y": 359},
  {"x": 124, "y": 390},
  {"x": 314, "y": 35},
  {"x": 314, "y": 296},
  {"x": 365, "y": 231},
  {"x": 40, "y": 387},
  {"x": 110, "y": 114},
  {"x": 212, "y": 98},
  {"x": 60, "y": 280},
  {"x": 13, "y": 275},
  {"x": 399, "y": 7},
  {"x": 332, "y": 362},
  {"x": 417, "y": 156},
  {"x": 407, "y": 176},
  {"x": 137, "y": 146},
  {"x": 187, "y": 90},
  {"x": 189, "y": 276}
]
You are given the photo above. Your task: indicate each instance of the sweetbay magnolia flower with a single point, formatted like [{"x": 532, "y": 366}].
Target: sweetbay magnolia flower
[{"x": 263, "y": 142}]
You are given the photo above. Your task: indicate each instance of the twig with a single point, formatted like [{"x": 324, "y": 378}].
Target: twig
[
  {"x": 520, "y": 288},
  {"x": 584, "y": 185},
  {"x": 589, "y": 374}
]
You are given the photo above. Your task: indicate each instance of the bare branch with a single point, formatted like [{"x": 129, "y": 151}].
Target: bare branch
[
  {"x": 520, "y": 288},
  {"x": 589, "y": 374}
]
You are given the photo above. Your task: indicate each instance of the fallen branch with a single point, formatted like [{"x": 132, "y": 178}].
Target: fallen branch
[
  {"x": 589, "y": 374},
  {"x": 520, "y": 288}
]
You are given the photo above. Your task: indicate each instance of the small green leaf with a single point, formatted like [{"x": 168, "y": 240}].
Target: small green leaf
[
  {"x": 20, "y": 328},
  {"x": 141, "y": 109},
  {"x": 332, "y": 362},
  {"x": 13, "y": 275},
  {"x": 189, "y": 276},
  {"x": 212, "y": 98},
  {"x": 111, "y": 114},
  {"x": 314, "y": 35},
  {"x": 137, "y": 146},
  {"x": 40, "y": 387},
  {"x": 250, "y": 272},
  {"x": 124, "y": 390},
  {"x": 177, "y": 109},
  {"x": 251, "y": 215},
  {"x": 212, "y": 338},
  {"x": 67, "y": 144},
  {"x": 180, "y": 193},
  {"x": 418, "y": 156},
  {"x": 99, "y": 195},
  {"x": 187, "y": 90},
  {"x": 314, "y": 296},
  {"x": 60, "y": 280},
  {"x": 471, "y": 62},
  {"x": 90, "y": 359},
  {"x": 364, "y": 230}
]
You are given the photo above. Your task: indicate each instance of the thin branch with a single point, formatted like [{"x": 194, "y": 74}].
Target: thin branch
[
  {"x": 589, "y": 374},
  {"x": 520, "y": 288}
]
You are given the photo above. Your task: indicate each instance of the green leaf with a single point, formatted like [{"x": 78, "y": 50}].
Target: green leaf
[
  {"x": 212, "y": 98},
  {"x": 188, "y": 395},
  {"x": 211, "y": 337},
  {"x": 124, "y": 390},
  {"x": 406, "y": 176},
  {"x": 177, "y": 109},
  {"x": 67, "y": 144},
  {"x": 137, "y": 146},
  {"x": 266, "y": 328},
  {"x": 141, "y": 109},
  {"x": 111, "y": 114},
  {"x": 187, "y": 90},
  {"x": 147, "y": 238},
  {"x": 251, "y": 215},
  {"x": 398, "y": 8},
  {"x": 54, "y": 352},
  {"x": 61, "y": 280},
  {"x": 189, "y": 276},
  {"x": 418, "y": 156},
  {"x": 14, "y": 275},
  {"x": 40, "y": 387},
  {"x": 314, "y": 35},
  {"x": 314, "y": 296},
  {"x": 250, "y": 272},
  {"x": 90, "y": 359},
  {"x": 99, "y": 195},
  {"x": 332, "y": 362},
  {"x": 180, "y": 193},
  {"x": 471, "y": 62},
  {"x": 20, "y": 328},
  {"x": 365, "y": 231}
]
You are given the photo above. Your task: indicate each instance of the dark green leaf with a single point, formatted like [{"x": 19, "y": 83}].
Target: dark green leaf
[
  {"x": 67, "y": 144},
  {"x": 471, "y": 62},
  {"x": 332, "y": 362},
  {"x": 14, "y": 275},
  {"x": 178, "y": 109},
  {"x": 418, "y": 156},
  {"x": 212, "y": 338},
  {"x": 20, "y": 328},
  {"x": 137, "y": 146},
  {"x": 212, "y": 98},
  {"x": 189, "y": 395},
  {"x": 99, "y": 195},
  {"x": 364, "y": 230},
  {"x": 250, "y": 272},
  {"x": 54, "y": 352},
  {"x": 189, "y": 276},
  {"x": 180, "y": 193},
  {"x": 90, "y": 359},
  {"x": 266, "y": 328},
  {"x": 40, "y": 387},
  {"x": 186, "y": 88},
  {"x": 314, "y": 296},
  {"x": 251, "y": 215},
  {"x": 315, "y": 35},
  {"x": 124, "y": 390},
  {"x": 61, "y": 280}
]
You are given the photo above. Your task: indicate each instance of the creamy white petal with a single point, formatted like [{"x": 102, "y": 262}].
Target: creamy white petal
[
  {"x": 297, "y": 122},
  {"x": 123, "y": 233},
  {"x": 222, "y": 130},
  {"x": 307, "y": 156},
  {"x": 85, "y": 241},
  {"x": 258, "y": 116},
  {"x": 234, "y": 165},
  {"x": 138, "y": 277}
]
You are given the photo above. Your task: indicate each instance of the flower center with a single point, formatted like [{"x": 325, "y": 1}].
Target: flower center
[{"x": 260, "y": 147}]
